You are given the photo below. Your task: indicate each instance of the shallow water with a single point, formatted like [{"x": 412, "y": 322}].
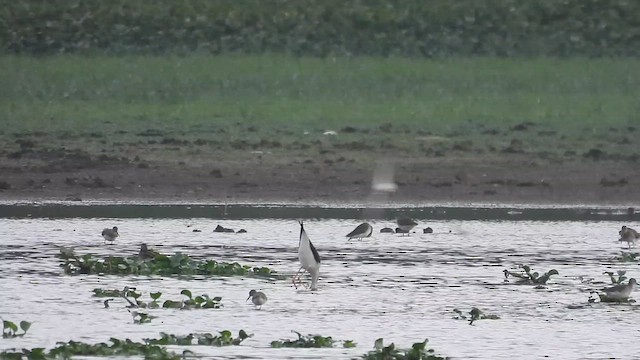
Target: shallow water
[{"x": 401, "y": 288}]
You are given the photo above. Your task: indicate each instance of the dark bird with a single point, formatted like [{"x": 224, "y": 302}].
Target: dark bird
[
  {"x": 405, "y": 224},
  {"x": 361, "y": 231},
  {"x": 110, "y": 234},
  {"x": 629, "y": 235}
]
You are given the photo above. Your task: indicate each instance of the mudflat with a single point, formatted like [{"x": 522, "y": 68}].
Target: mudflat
[{"x": 195, "y": 171}]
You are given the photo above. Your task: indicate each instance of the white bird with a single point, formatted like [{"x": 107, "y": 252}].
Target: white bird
[
  {"x": 110, "y": 234},
  {"x": 309, "y": 260},
  {"x": 629, "y": 235},
  {"x": 619, "y": 292},
  {"x": 361, "y": 231},
  {"x": 405, "y": 224},
  {"x": 258, "y": 298}
]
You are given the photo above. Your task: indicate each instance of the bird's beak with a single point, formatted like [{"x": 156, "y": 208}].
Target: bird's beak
[{"x": 248, "y": 298}]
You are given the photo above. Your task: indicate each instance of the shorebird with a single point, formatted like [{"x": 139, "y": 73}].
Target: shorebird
[
  {"x": 145, "y": 253},
  {"x": 362, "y": 231},
  {"x": 405, "y": 224},
  {"x": 258, "y": 298},
  {"x": 619, "y": 292},
  {"x": 629, "y": 235},
  {"x": 309, "y": 260},
  {"x": 110, "y": 234}
]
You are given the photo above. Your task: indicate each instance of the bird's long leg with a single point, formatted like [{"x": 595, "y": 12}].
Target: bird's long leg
[{"x": 293, "y": 279}]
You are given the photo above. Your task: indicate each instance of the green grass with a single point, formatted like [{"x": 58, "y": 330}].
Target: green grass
[{"x": 198, "y": 95}]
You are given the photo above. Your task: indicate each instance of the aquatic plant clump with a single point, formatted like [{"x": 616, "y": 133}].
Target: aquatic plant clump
[
  {"x": 150, "y": 349},
  {"x": 159, "y": 264},
  {"x": 224, "y": 339},
  {"x": 525, "y": 276},
  {"x": 418, "y": 351},
  {"x": 305, "y": 341},
  {"x": 474, "y": 315},
  {"x": 10, "y": 329},
  {"x": 116, "y": 347},
  {"x": 133, "y": 298}
]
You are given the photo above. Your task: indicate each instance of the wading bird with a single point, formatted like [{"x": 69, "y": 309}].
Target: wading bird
[
  {"x": 629, "y": 235},
  {"x": 110, "y": 234},
  {"x": 309, "y": 260},
  {"x": 405, "y": 225},
  {"x": 258, "y": 298},
  {"x": 362, "y": 231},
  {"x": 619, "y": 292},
  {"x": 145, "y": 253}
]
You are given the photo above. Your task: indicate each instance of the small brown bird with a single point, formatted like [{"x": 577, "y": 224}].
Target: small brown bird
[
  {"x": 362, "y": 231},
  {"x": 405, "y": 225},
  {"x": 629, "y": 235},
  {"x": 145, "y": 253},
  {"x": 110, "y": 234},
  {"x": 258, "y": 298}
]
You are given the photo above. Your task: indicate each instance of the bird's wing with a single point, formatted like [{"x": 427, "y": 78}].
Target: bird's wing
[
  {"x": 614, "y": 288},
  {"x": 360, "y": 229},
  {"x": 314, "y": 251}
]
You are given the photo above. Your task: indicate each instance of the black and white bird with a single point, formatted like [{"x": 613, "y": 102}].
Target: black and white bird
[
  {"x": 629, "y": 235},
  {"x": 258, "y": 298},
  {"x": 619, "y": 292},
  {"x": 309, "y": 260},
  {"x": 405, "y": 224},
  {"x": 361, "y": 231},
  {"x": 110, "y": 234}
]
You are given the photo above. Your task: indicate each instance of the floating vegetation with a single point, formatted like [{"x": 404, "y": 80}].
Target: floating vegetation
[
  {"x": 141, "y": 318},
  {"x": 618, "y": 277},
  {"x": 418, "y": 351},
  {"x": 628, "y": 257},
  {"x": 159, "y": 264},
  {"x": 150, "y": 349},
  {"x": 10, "y": 329},
  {"x": 116, "y": 347},
  {"x": 133, "y": 298},
  {"x": 224, "y": 339},
  {"x": 525, "y": 276},
  {"x": 309, "y": 341},
  {"x": 474, "y": 314}
]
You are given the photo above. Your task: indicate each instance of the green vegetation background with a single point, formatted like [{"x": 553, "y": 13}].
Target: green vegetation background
[
  {"x": 465, "y": 69},
  {"x": 590, "y": 28}
]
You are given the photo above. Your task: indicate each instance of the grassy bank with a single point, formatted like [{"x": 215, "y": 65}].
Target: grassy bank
[{"x": 575, "y": 102}]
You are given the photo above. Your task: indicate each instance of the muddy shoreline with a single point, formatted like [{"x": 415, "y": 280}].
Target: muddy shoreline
[{"x": 505, "y": 179}]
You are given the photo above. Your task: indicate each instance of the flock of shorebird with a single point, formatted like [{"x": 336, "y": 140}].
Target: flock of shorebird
[{"x": 310, "y": 259}]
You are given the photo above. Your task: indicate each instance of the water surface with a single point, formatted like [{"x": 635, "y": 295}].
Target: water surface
[{"x": 397, "y": 287}]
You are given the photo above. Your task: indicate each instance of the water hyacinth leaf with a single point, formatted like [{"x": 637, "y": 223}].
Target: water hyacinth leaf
[
  {"x": 155, "y": 295},
  {"x": 170, "y": 304},
  {"x": 199, "y": 299},
  {"x": 186, "y": 293},
  {"x": 378, "y": 344},
  {"x": 25, "y": 325},
  {"x": 243, "y": 334},
  {"x": 9, "y": 325},
  {"x": 348, "y": 344}
]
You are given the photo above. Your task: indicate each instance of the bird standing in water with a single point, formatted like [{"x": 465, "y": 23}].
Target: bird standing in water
[
  {"x": 361, "y": 231},
  {"x": 110, "y": 234},
  {"x": 619, "y": 292},
  {"x": 629, "y": 235},
  {"x": 405, "y": 225},
  {"x": 309, "y": 260},
  {"x": 258, "y": 298}
]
